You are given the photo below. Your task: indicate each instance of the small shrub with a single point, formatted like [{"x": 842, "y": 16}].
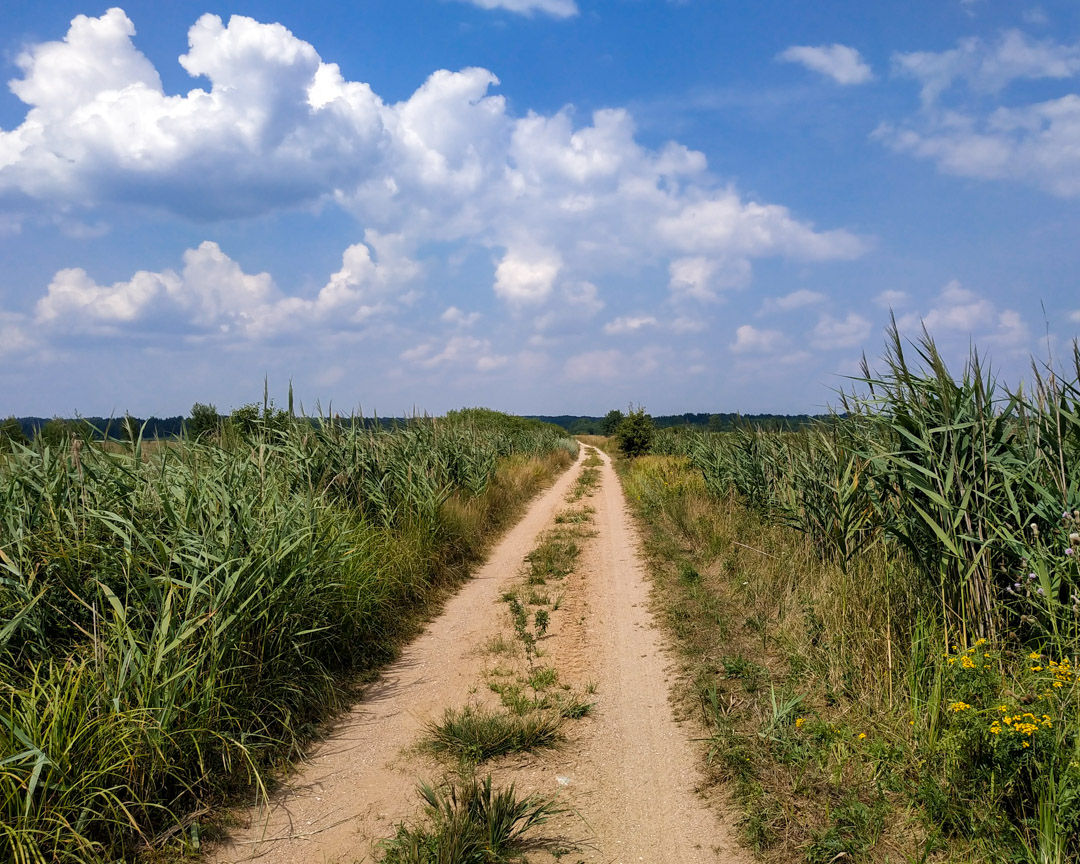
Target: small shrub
[{"x": 635, "y": 433}]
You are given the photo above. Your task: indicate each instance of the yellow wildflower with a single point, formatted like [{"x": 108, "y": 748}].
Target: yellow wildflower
[
  {"x": 799, "y": 722},
  {"x": 957, "y": 707},
  {"x": 862, "y": 735}
]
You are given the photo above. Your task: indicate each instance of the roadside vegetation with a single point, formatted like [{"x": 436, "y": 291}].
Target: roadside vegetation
[
  {"x": 177, "y": 620},
  {"x": 880, "y": 616}
]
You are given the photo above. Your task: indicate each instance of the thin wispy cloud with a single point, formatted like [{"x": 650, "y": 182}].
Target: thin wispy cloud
[{"x": 554, "y": 8}]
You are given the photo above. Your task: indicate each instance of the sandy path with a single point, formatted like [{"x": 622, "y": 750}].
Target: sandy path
[
  {"x": 632, "y": 770},
  {"x": 357, "y": 784},
  {"x": 628, "y": 769}
]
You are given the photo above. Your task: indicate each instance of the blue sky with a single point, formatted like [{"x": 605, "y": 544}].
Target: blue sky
[{"x": 543, "y": 206}]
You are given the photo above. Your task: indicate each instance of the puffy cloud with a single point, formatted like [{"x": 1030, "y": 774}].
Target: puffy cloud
[
  {"x": 555, "y": 8},
  {"x": 840, "y": 62},
  {"x": 725, "y": 223},
  {"x": 752, "y": 340},
  {"x": 960, "y": 311},
  {"x": 277, "y": 126},
  {"x": 795, "y": 300},
  {"x": 956, "y": 308},
  {"x": 629, "y": 324},
  {"x": 527, "y": 277},
  {"x": 849, "y": 332},
  {"x": 1036, "y": 142},
  {"x": 213, "y": 295}
]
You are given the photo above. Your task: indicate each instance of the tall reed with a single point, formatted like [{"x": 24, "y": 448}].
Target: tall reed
[{"x": 174, "y": 621}]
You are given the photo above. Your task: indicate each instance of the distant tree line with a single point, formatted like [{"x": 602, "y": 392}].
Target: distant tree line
[
  {"x": 722, "y": 422},
  {"x": 205, "y": 420}
]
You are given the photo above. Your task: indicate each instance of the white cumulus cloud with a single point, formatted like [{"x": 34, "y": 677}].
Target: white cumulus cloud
[
  {"x": 842, "y": 63},
  {"x": 1033, "y": 142},
  {"x": 959, "y": 312},
  {"x": 561, "y": 202},
  {"x": 527, "y": 277},
  {"x": 212, "y": 295}
]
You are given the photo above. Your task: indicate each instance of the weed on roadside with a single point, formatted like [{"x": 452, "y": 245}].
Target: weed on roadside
[{"x": 469, "y": 821}]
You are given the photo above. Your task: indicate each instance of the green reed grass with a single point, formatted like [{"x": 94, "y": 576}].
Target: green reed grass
[
  {"x": 174, "y": 622},
  {"x": 933, "y": 593}
]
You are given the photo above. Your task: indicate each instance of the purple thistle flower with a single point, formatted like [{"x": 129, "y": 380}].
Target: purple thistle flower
[
  {"x": 1031, "y": 576},
  {"x": 1069, "y": 551},
  {"x": 1041, "y": 591}
]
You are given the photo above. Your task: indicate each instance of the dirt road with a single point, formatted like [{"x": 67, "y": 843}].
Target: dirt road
[{"x": 628, "y": 770}]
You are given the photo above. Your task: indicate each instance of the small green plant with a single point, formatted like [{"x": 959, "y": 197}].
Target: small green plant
[
  {"x": 543, "y": 678},
  {"x": 478, "y": 734},
  {"x": 469, "y": 822},
  {"x": 519, "y": 615}
]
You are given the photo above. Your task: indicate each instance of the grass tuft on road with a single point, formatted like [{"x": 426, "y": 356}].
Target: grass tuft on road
[
  {"x": 477, "y": 733},
  {"x": 469, "y": 821}
]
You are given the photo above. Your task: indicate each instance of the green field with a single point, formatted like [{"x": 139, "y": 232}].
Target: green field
[{"x": 176, "y": 620}]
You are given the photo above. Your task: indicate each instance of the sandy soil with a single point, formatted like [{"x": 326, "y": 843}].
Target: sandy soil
[{"x": 628, "y": 770}]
